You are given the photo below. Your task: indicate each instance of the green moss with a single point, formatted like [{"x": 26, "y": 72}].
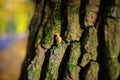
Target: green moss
[
  {"x": 74, "y": 53},
  {"x": 54, "y": 48},
  {"x": 70, "y": 65},
  {"x": 47, "y": 40},
  {"x": 48, "y": 35},
  {"x": 56, "y": 15},
  {"x": 95, "y": 69},
  {"x": 30, "y": 70},
  {"x": 32, "y": 34},
  {"x": 35, "y": 67},
  {"x": 76, "y": 11},
  {"x": 55, "y": 60},
  {"x": 53, "y": 26},
  {"x": 47, "y": 29},
  {"x": 114, "y": 69},
  {"x": 35, "y": 74},
  {"x": 32, "y": 73},
  {"x": 50, "y": 77}
]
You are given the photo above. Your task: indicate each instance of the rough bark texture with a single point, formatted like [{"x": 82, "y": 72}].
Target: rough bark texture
[{"x": 90, "y": 48}]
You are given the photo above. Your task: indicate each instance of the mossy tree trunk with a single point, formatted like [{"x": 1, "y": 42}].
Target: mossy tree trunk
[{"x": 90, "y": 48}]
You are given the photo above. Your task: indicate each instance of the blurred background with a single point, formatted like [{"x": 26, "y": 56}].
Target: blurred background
[{"x": 15, "y": 16}]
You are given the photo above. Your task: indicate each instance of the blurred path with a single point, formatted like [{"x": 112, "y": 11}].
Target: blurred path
[
  {"x": 11, "y": 59},
  {"x": 15, "y": 17}
]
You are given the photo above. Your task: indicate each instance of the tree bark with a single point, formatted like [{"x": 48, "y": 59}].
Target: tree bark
[{"x": 89, "y": 49}]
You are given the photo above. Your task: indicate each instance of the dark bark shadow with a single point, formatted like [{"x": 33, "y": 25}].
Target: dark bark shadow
[
  {"x": 83, "y": 72},
  {"x": 82, "y": 13},
  {"x": 63, "y": 65},
  {"x": 64, "y": 16},
  {"x": 83, "y": 41},
  {"x": 45, "y": 66},
  {"x": 104, "y": 73}
]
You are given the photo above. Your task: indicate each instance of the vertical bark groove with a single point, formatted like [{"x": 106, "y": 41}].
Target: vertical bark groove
[{"x": 107, "y": 48}]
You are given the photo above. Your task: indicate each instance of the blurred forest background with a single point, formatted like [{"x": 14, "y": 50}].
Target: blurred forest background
[{"x": 15, "y": 17}]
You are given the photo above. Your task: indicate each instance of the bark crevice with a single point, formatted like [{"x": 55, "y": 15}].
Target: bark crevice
[
  {"x": 64, "y": 14},
  {"x": 45, "y": 65},
  {"x": 63, "y": 64}
]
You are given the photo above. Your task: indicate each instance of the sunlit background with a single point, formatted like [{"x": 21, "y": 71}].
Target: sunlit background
[{"x": 15, "y": 16}]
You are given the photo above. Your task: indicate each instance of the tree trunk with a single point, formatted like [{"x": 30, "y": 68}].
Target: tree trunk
[{"x": 90, "y": 48}]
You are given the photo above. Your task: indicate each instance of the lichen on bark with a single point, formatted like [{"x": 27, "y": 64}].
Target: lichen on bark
[
  {"x": 90, "y": 72},
  {"x": 72, "y": 71},
  {"x": 54, "y": 62},
  {"x": 89, "y": 46},
  {"x": 35, "y": 66},
  {"x": 73, "y": 30}
]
